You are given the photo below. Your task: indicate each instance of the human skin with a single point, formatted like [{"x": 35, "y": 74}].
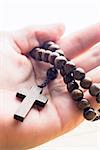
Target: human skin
[{"x": 60, "y": 114}]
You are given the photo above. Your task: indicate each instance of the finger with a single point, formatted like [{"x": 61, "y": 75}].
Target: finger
[
  {"x": 92, "y": 100},
  {"x": 30, "y": 37},
  {"x": 89, "y": 60},
  {"x": 79, "y": 42},
  {"x": 95, "y": 76}
]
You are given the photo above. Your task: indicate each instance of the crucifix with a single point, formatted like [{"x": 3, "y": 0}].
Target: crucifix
[{"x": 30, "y": 98}]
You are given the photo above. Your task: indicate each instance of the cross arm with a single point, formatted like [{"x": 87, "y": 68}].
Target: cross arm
[
  {"x": 21, "y": 93},
  {"x": 24, "y": 108},
  {"x": 41, "y": 100}
]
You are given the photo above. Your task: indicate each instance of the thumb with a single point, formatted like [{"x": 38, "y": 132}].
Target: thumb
[{"x": 28, "y": 38}]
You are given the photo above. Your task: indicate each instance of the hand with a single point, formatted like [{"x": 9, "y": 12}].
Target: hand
[
  {"x": 60, "y": 114},
  {"x": 17, "y": 71}
]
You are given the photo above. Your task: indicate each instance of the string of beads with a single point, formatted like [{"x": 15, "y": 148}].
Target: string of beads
[{"x": 73, "y": 77}]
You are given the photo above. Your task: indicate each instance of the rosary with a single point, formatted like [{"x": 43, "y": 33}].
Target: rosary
[{"x": 73, "y": 78}]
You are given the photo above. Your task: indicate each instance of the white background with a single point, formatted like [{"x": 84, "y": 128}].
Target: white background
[{"x": 75, "y": 14}]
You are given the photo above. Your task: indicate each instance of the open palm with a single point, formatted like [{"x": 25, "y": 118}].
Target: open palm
[{"x": 18, "y": 71}]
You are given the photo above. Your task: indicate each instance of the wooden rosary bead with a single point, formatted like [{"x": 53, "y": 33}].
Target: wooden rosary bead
[
  {"x": 94, "y": 89},
  {"x": 53, "y": 47},
  {"x": 72, "y": 86},
  {"x": 33, "y": 52},
  {"x": 47, "y": 44},
  {"x": 97, "y": 118},
  {"x": 45, "y": 55},
  {"x": 62, "y": 71},
  {"x": 86, "y": 83},
  {"x": 60, "y": 52},
  {"x": 52, "y": 73},
  {"x": 52, "y": 57},
  {"x": 98, "y": 98},
  {"x": 59, "y": 62},
  {"x": 38, "y": 54},
  {"x": 79, "y": 74},
  {"x": 69, "y": 67},
  {"x": 68, "y": 78},
  {"x": 89, "y": 114},
  {"x": 53, "y": 54},
  {"x": 77, "y": 94},
  {"x": 83, "y": 104}
]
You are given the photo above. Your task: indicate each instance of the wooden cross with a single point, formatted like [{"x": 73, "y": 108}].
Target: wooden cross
[{"x": 30, "y": 97}]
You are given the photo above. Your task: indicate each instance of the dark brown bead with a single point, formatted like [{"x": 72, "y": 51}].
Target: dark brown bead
[
  {"x": 62, "y": 71},
  {"x": 52, "y": 73},
  {"x": 72, "y": 86},
  {"x": 89, "y": 114},
  {"x": 86, "y": 83},
  {"x": 69, "y": 67},
  {"x": 53, "y": 47},
  {"x": 98, "y": 98},
  {"x": 97, "y": 118},
  {"x": 59, "y": 62},
  {"x": 83, "y": 103},
  {"x": 60, "y": 52},
  {"x": 77, "y": 94},
  {"x": 94, "y": 89},
  {"x": 79, "y": 74},
  {"x": 38, "y": 54},
  {"x": 33, "y": 52},
  {"x": 47, "y": 44},
  {"x": 52, "y": 57},
  {"x": 68, "y": 78},
  {"x": 45, "y": 55}
]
